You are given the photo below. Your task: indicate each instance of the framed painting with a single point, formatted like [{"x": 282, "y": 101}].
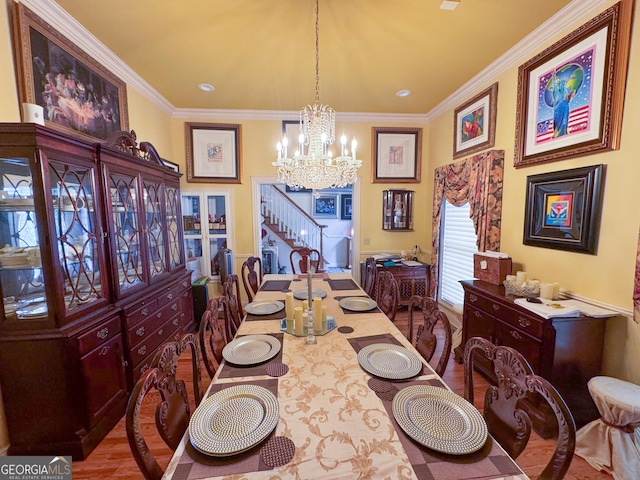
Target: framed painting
[
  {"x": 563, "y": 209},
  {"x": 397, "y": 155},
  {"x": 346, "y": 206},
  {"x": 571, "y": 96},
  {"x": 474, "y": 123},
  {"x": 214, "y": 152},
  {"x": 325, "y": 206},
  {"x": 79, "y": 96},
  {"x": 173, "y": 166}
]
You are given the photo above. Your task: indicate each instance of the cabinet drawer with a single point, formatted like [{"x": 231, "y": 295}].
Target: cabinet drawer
[
  {"x": 147, "y": 346},
  {"x": 530, "y": 324},
  {"x": 142, "y": 330},
  {"x": 147, "y": 363},
  {"x": 483, "y": 303},
  {"x": 169, "y": 295},
  {"x": 529, "y": 347},
  {"x": 142, "y": 311},
  {"x": 98, "y": 335}
]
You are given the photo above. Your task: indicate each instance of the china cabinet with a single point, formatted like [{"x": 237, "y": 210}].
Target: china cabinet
[
  {"x": 397, "y": 210},
  {"x": 88, "y": 232}
]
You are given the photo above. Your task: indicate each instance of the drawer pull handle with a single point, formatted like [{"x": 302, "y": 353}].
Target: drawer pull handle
[
  {"x": 104, "y": 351},
  {"x": 176, "y": 337},
  {"x": 142, "y": 350},
  {"x": 174, "y": 307},
  {"x": 145, "y": 311},
  {"x": 176, "y": 322},
  {"x": 170, "y": 296},
  {"x": 516, "y": 335},
  {"x": 477, "y": 314},
  {"x": 159, "y": 315},
  {"x": 160, "y": 331},
  {"x": 495, "y": 307},
  {"x": 185, "y": 284},
  {"x": 144, "y": 369},
  {"x": 102, "y": 333},
  {"x": 140, "y": 331},
  {"x": 524, "y": 322},
  {"x": 473, "y": 298}
]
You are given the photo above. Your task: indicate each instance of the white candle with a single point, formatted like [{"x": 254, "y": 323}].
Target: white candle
[
  {"x": 511, "y": 278},
  {"x": 317, "y": 315},
  {"x": 288, "y": 301},
  {"x": 299, "y": 325},
  {"x": 305, "y": 305},
  {"x": 324, "y": 318},
  {"x": 546, "y": 291},
  {"x": 556, "y": 291},
  {"x": 521, "y": 277}
]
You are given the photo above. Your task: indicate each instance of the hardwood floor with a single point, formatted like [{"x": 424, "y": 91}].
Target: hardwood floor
[{"x": 112, "y": 458}]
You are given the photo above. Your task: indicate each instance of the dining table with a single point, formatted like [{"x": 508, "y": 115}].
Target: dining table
[{"x": 333, "y": 418}]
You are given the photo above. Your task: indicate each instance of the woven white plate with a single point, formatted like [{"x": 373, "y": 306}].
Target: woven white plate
[
  {"x": 439, "y": 419},
  {"x": 264, "y": 308},
  {"x": 358, "y": 304},
  {"x": 391, "y": 361},
  {"x": 304, "y": 294},
  {"x": 233, "y": 420},
  {"x": 251, "y": 349}
]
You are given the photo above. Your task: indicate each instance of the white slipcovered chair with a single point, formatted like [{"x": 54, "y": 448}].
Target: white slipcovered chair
[{"x": 612, "y": 443}]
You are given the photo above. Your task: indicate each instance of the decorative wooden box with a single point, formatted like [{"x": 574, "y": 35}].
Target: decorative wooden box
[{"x": 491, "y": 269}]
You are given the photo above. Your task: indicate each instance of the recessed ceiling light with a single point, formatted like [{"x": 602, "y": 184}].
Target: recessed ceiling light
[
  {"x": 449, "y": 4},
  {"x": 403, "y": 93},
  {"x": 206, "y": 87}
]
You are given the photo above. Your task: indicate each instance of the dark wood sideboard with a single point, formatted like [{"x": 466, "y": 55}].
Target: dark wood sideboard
[
  {"x": 412, "y": 280},
  {"x": 565, "y": 351}
]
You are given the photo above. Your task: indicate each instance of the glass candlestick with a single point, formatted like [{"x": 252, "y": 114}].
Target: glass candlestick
[{"x": 311, "y": 338}]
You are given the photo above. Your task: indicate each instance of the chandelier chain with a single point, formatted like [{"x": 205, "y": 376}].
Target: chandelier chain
[{"x": 317, "y": 54}]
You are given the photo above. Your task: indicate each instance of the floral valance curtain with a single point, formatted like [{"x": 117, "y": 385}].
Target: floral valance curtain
[
  {"x": 477, "y": 180},
  {"x": 636, "y": 289}
]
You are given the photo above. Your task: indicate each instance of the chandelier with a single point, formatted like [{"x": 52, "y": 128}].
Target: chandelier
[{"x": 313, "y": 165}]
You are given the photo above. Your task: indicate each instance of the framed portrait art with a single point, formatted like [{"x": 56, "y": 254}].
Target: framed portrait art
[
  {"x": 474, "y": 123},
  {"x": 563, "y": 209},
  {"x": 214, "y": 152},
  {"x": 346, "y": 206},
  {"x": 325, "y": 205},
  {"x": 397, "y": 154},
  {"x": 78, "y": 95},
  {"x": 571, "y": 96}
]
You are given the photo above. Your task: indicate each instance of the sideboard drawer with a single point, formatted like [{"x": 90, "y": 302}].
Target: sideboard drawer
[{"x": 98, "y": 335}]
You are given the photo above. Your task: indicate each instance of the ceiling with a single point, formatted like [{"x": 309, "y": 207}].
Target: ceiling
[{"x": 260, "y": 54}]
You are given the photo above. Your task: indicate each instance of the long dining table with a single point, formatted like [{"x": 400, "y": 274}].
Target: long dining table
[{"x": 335, "y": 420}]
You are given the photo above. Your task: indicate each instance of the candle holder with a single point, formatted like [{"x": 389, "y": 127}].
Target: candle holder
[{"x": 310, "y": 338}]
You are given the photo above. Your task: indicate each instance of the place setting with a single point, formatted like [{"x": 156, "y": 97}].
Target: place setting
[
  {"x": 358, "y": 304},
  {"x": 253, "y": 355},
  {"x": 264, "y": 310}
]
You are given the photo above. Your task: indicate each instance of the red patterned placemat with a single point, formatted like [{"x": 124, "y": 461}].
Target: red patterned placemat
[
  {"x": 277, "y": 369},
  {"x": 278, "y": 451}
]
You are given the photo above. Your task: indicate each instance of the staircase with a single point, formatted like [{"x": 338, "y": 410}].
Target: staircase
[{"x": 288, "y": 221}]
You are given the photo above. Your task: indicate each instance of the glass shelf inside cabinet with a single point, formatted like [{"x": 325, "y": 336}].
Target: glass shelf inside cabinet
[
  {"x": 21, "y": 280},
  {"x": 75, "y": 224}
]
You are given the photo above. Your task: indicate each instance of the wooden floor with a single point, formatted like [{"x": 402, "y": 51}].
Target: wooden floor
[{"x": 112, "y": 458}]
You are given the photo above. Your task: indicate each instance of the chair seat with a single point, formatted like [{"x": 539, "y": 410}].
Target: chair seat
[{"x": 612, "y": 443}]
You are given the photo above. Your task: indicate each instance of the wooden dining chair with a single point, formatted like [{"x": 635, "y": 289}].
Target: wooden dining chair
[
  {"x": 426, "y": 340},
  {"x": 387, "y": 294},
  {"x": 232, "y": 319},
  {"x": 298, "y": 257},
  {"x": 251, "y": 272},
  {"x": 172, "y": 411},
  {"x": 507, "y": 422},
  {"x": 370, "y": 276},
  {"x": 231, "y": 290},
  {"x": 212, "y": 336},
  {"x": 191, "y": 341}
]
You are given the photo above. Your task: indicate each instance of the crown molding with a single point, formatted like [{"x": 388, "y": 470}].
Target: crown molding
[{"x": 58, "y": 18}]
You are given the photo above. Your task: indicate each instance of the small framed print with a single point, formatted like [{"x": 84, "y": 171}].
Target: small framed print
[
  {"x": 325, "y": 206},
  {"x": 214, "y": 153},
  {"x": 475, "y": 123},
  {"x": 346, "y": 206},
  {"x": 563, "y": 209},
  {"x": 397, "y": 155}
]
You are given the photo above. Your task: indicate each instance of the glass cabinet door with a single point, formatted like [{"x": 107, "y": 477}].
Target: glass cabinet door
[
  {"x": 172, "y": 225},
  {"x": 397, "y": 208},
  {"x": 74, "y": 216},
  {"x": 123, "y": 193},
  {"x": 21, "y": 276},
  {"x": 153, "y": 211}
]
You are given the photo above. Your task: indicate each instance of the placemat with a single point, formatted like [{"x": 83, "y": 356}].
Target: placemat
[
  {"x": 349, "y": 312},
  {"x": 194, "y": 465},
  {"x": 275, "y": 286},
  {"x": 359, "y": 343},
  {"x": 234, "y": 371},
  {"x": 272, "y": 316},
  {"x": 342, "y": 284},
  {"x": 488, "y": 462}
]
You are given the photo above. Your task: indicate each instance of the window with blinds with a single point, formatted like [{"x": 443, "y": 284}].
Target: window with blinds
[{"x": 457, "y": 246}]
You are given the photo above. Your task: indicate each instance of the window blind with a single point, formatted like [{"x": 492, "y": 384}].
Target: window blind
[{"x": 457, "y": 246}]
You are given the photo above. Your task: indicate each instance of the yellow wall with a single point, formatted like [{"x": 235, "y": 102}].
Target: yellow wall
[{"x": 606, "y": 277}]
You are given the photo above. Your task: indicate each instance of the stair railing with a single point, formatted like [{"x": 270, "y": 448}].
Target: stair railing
[{"x": 289, "y": 218}]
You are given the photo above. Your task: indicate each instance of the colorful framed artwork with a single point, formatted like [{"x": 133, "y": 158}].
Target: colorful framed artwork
[
  {"x": 325, "y": 206},
  {"x": 214, "y": 152},
  {"x": 571, "y": 96},
  {"x": 397, "y": 154},
  {"x": 474, "y": 123},
  {"x": 563, "y": 209},
  {"x": 346, "y": 206},
  {"x": 78, "y": 95}
]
